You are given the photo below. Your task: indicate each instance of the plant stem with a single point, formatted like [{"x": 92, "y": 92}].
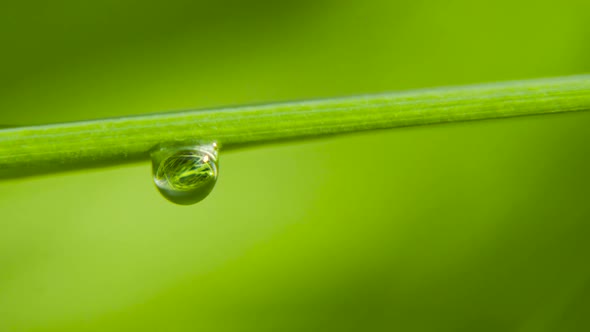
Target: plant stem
[{"x": 58, "y": 147}]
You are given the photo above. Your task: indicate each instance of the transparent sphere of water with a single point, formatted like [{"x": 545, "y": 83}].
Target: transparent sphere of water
[{"x": 185, "y": 174}]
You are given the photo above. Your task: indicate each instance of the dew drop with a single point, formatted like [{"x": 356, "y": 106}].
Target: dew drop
[{"x": 185, "y": 174}]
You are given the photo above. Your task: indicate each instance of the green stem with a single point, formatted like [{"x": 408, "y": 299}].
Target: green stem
[{"x": 49, "y": 148}]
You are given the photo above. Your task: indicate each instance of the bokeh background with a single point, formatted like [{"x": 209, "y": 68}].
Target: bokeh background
[{"x": 481, "y": 226}]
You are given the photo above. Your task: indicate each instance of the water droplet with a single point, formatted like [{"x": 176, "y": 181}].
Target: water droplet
[{"x": 185, "y": 174}]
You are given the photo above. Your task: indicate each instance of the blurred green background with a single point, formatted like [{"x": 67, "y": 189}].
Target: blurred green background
[{"x": 479, "y": 226}]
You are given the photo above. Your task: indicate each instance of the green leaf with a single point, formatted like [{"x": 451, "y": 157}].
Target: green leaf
[{"x": 59, "y": 147}]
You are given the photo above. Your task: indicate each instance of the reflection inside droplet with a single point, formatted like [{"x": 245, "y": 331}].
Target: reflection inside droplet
[{"x": 185, "y": 174}]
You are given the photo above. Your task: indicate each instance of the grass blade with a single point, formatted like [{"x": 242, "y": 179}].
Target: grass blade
[{"x": 58, "y": 147}]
